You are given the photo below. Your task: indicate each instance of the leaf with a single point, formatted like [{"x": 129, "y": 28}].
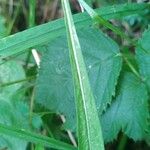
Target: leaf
[
  {"x": 39, "y": 147},
  {"x": 143, "y": 56},
  {"x": 14, "y": 115},
  {"x": 9, "y": 115},
  {"x": 103, "y": 62},
  {"x": 98, "y": 19},
  {"x": 9, "y": 72},
  {"x": 88, "y": 124},
  {"x": 2, "y": 27},
  {"x": 36, "y": 138},
  {"x": 128, "y": 112},
  {"x": 21, "y": 41},
  {"x": 13, "y": 111}
]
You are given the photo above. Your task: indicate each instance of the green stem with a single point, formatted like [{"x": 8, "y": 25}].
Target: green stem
[
  {"x": 49, "y": 131},
  {"x": 32, "y": 7},
  {"x": 131, "y": 67},
  {"x": 31, "y": 108},
  {"x": 123, "y": 142},
  {"x": 18, "y": 81},
  {"x": 98, "y": 19}
]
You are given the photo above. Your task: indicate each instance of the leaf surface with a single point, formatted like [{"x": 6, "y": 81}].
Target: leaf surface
[
  {"x": 88, "y": 125},
  {"x": 10, "y": 115},
  {"x": 9, "y": 72},
  {"x": 143, "y": 56},
  {"x": 35, "y": 138},
  {"x": 128, "y": 112},
  {"x": 12, "y": 111},
  {"x": 103, "y": 63}
]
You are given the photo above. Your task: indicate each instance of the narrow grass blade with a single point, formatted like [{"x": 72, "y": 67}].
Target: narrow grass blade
[
  {"x": 99, "y": 19},
  {"x": 32, "y": 7},
  {"x": 88, "y": 124},
  {"x": 35, "y": 138},
  {"x": 41, "y": 34}
]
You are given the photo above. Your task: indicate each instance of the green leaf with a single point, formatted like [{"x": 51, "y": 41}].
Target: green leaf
[
  {"x": 9, "y": 72},
  {"x": 129, "y": 111},
  {"x": 11, "y": 115},
  {"x": 143, "y": 56},
  {"x": 54, "y": 85},
  {"x": 98, "y": 19},
  {"x": 35, "y": 138},
  {"x": 88, "y": 124},
  {"x": 39, "y": 147},
  {"x": 21, "y": 41},
  {"x": 2, "y": 27},
  {"x": 13, "y": 111}
]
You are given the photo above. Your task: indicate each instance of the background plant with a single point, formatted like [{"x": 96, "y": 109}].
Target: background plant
[{"x": 60, "y": 103}]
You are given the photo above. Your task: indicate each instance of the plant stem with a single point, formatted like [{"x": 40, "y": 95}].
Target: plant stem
[
  {"x": 18, "y": 81},
  {"x": 31, "y": 20},
  {"x": 31, "y": 107},
  {"x": 131, "y": 67},
  {"x": 123, "y": 142},
  {"x": 99, "y": 19},
  {"x": 32, "y": 7}
]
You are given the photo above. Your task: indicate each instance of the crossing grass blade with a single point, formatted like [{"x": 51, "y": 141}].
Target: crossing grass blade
[
  {"x": 41, "y": 34},
  {"x": 35, "y": 138},
  {"x": 88, "y": 123},
  {"x": 100, "y": 20}
]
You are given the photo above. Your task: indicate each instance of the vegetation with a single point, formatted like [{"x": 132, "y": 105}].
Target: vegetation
[{"x": 74, "y": 75}]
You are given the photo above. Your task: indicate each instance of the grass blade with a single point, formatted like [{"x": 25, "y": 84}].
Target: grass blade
[
  {"x": 35, "y": 138},
  {"x": 88, "y": 124},
  {"x": 32, "y": 8},
  {"x": 100, "y": 20},
  {"x": 41, "y": 34}
]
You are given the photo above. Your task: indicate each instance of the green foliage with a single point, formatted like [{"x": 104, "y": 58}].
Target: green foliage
[
  {"x": 21, "y": 41},
  {"x": 88, "y": 125},
  {"x": 36, "y": 138},
  {"x": 129, "y": 111},
  {"x": 143, "y": 56},
  {"x": 79, "y": 77},
  {"x": 9, "y": 115},
  {"x": 2, "y": 27},
  {"x": 10, "y": 71},
  {"x": 12, "y": 112},
  {"x": 103, "y": 63}
]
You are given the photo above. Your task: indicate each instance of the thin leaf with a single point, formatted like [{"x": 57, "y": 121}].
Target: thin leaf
[
  {"x": 21, "y": 41},
  {"x": 88, "y": 125},
  {"x": 99, "y": 19},
  {"x": 35, "y": 138}
]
